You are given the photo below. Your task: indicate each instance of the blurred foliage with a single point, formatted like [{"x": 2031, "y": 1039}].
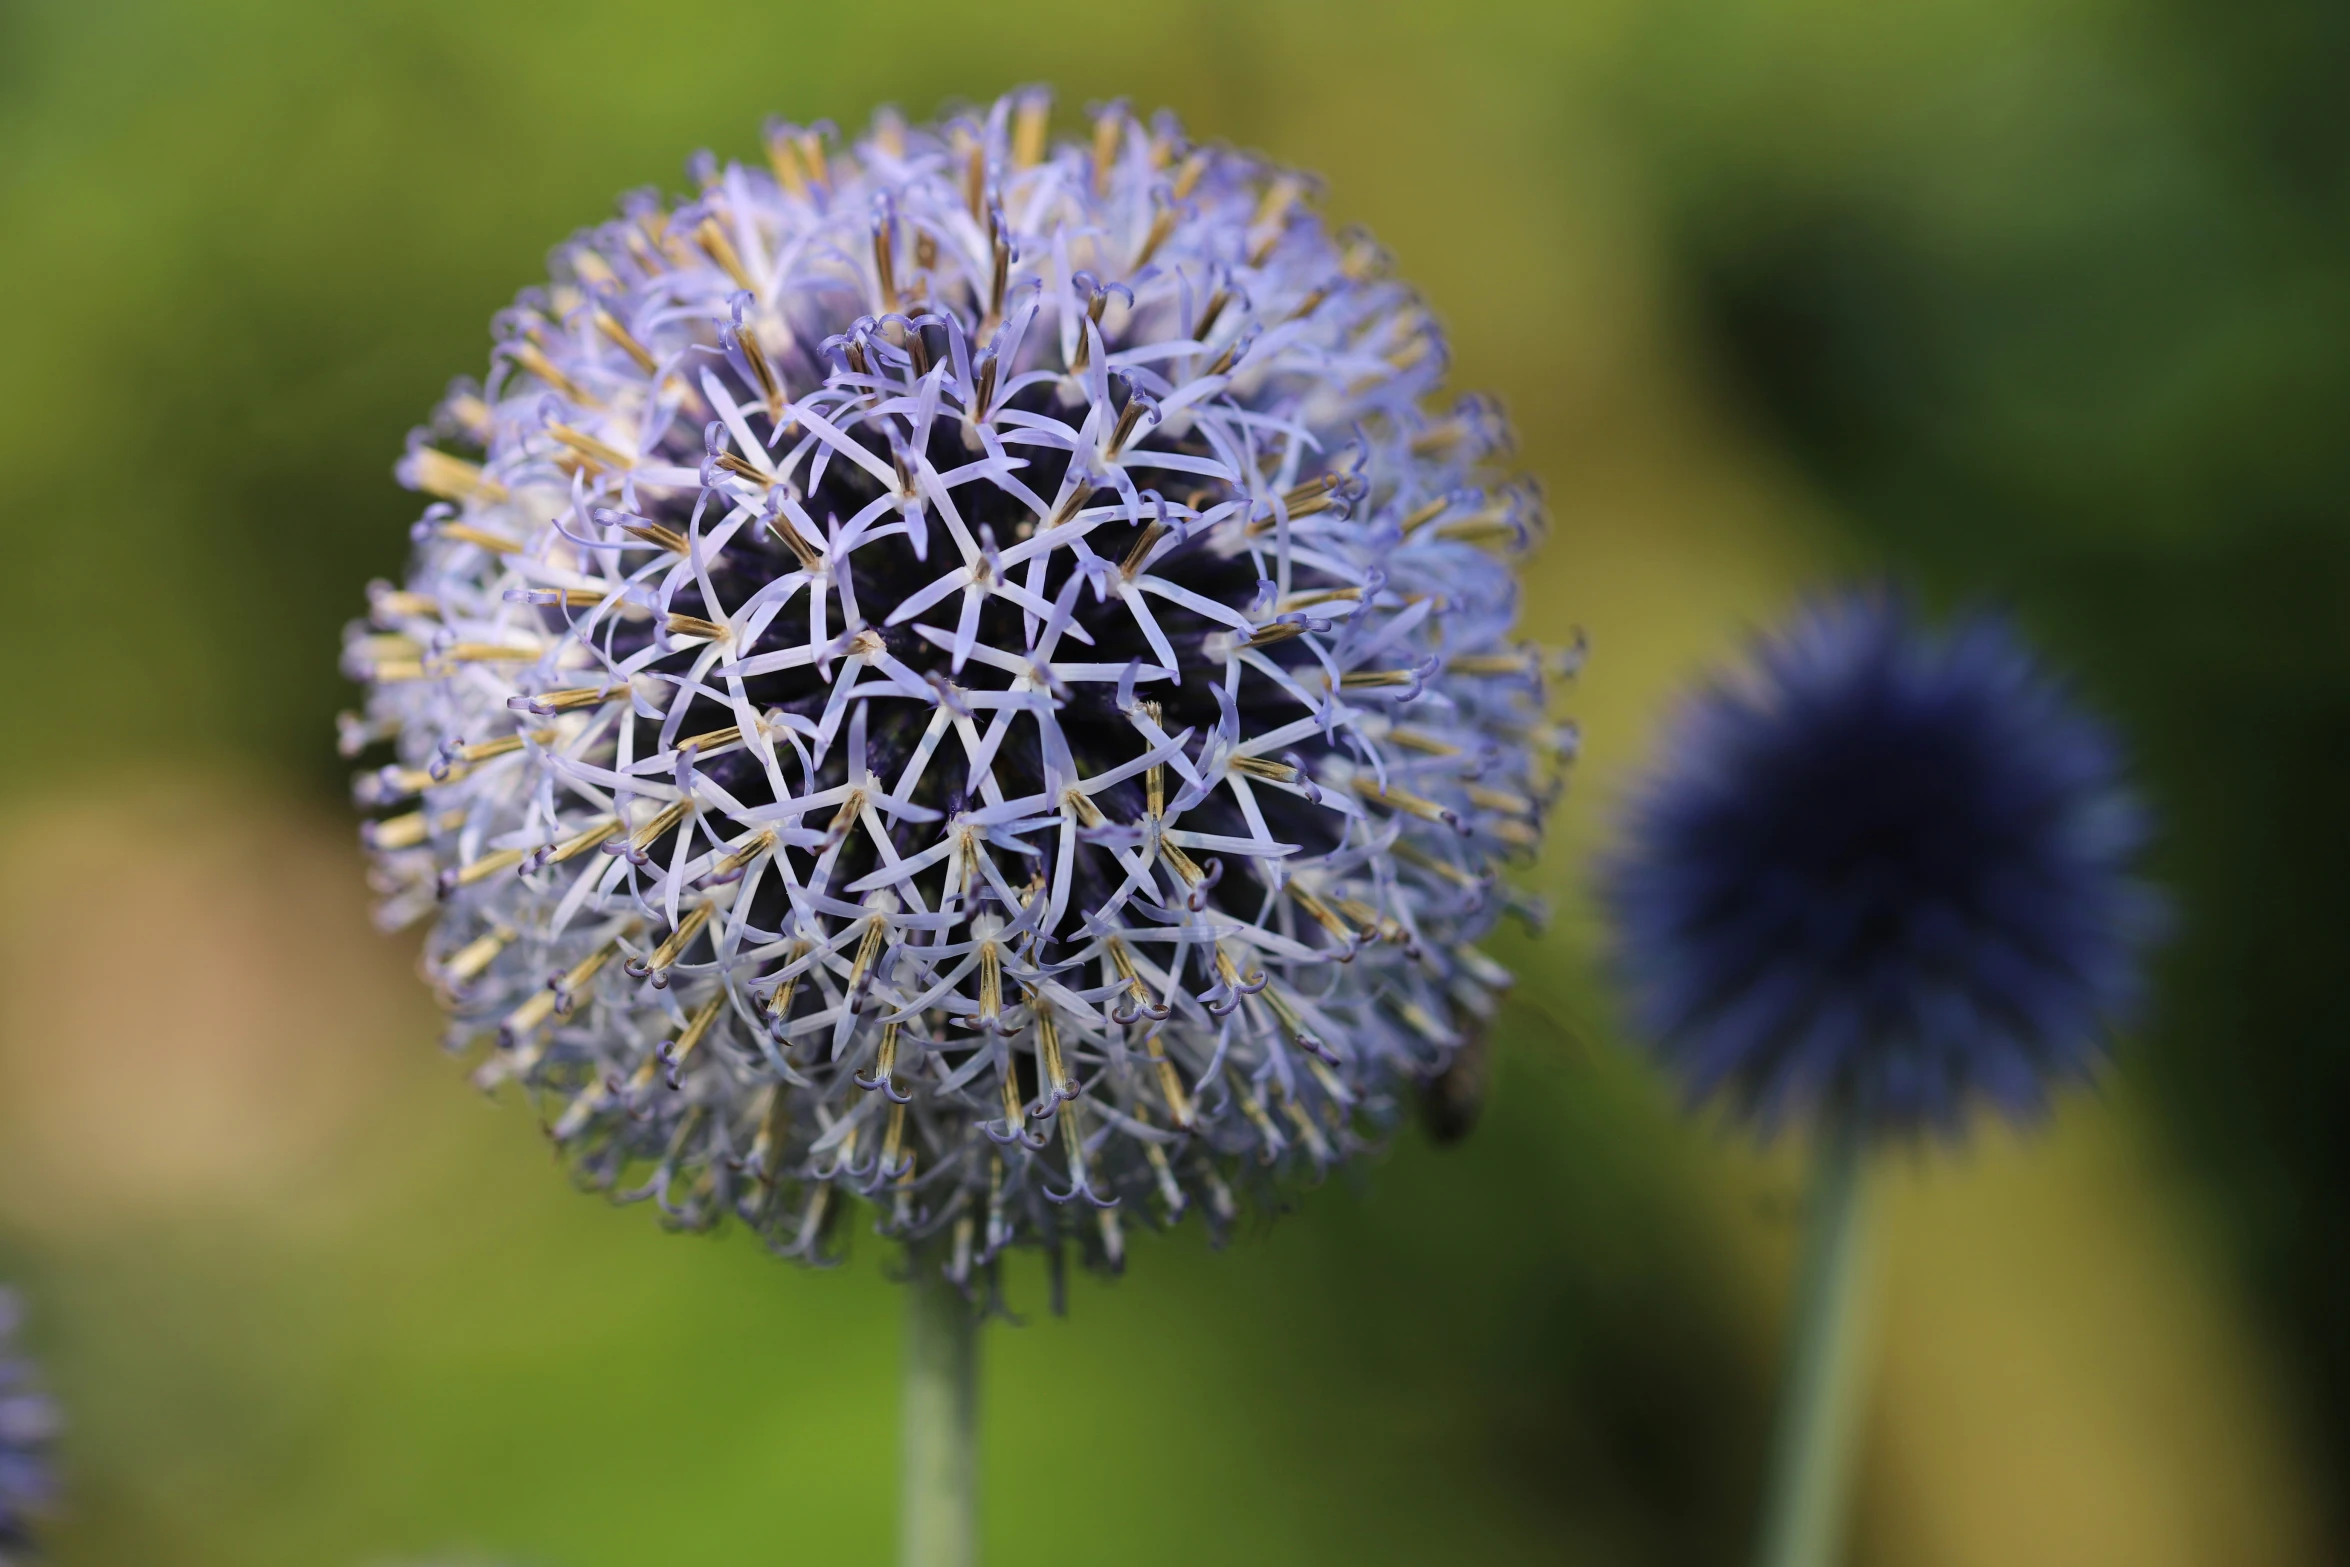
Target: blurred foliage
[
  {"x": 2055, "y": 306},
  {"x": 2043, "y": 298}
]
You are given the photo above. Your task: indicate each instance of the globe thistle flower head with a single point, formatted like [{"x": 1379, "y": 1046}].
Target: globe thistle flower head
[
  {"x": 1883, "y": 872},
  {"x": 965, "y": 672},
  {"x": 28, "y": 1426}
]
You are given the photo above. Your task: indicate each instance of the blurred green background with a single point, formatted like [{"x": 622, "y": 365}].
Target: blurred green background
[{"x": 2043, "y": 300}]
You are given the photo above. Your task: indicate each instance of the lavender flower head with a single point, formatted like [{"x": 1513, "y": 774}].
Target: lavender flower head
[
  {"x": 28, "y": 1425},
  {"x": 1883, "y": 872},
  {"x": 961, "y": 672}
]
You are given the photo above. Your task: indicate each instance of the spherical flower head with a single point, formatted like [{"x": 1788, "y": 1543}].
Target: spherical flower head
[
  {"x": 1883, "y": 872},
  {"x": 960, "y": 672},
  {"x": 28, "y": 1427}
]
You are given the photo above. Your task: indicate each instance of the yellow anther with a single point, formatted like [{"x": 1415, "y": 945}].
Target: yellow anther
[
  {"x": 650, "y": 833},
  {"x": 774, "y": 1128},
  {"x": 659, "y": 535},
  {"x": 533, "y": 358},
  {"x": 488, "y": 653},
  {"x": 487, "y": 866},
  {"x": 1170, "y": 1085},
  {"x": 1259, "y": 767},
  {"x": 398, "y": 832},
  {"x": 851, "y": 806},
  {"x": 1516, "y": 834},
  {"x": 569, "y": 598},
  {"x": 710, "y": 742},
  {"x": 812, "y": 153},
  {"x": 991, "y": 983},
  {"x": 1371, "y": 921},
  {"x": 1210, "y": 314},
  {"x": 1501, "y": 800},
  {"x": 485, "y": 750},
  {"x": 1522, "y": 662},
  {"x": 779, "y": 1004},
  {"x": 1048, "y": 1050},
  {"x": 1400, "y": 800},
  {"x": 1423, "y": 1023},
  {"x": 697, "y": 1027},
  {"x": 1128, "y": 417},
  {"x": 479, "y": 538},
  {"x": 868, "y": 948},
  {"x": 397, "y": 605},
  {"x": 762, "y": 371},
  {"x": 885, "y": 268},
  {"x": 749, "y": 849},
  {"x": 975, "y": 179},
  {"x": 1073, "y": 1141},
  {"x": 576, "y": 978},
  {"x": 1322, "y": 913},
  {"x": 1254, "y": 1109},
  {"x": 672, "y": 948},
  {"x": 1271, "y": 217},
  {"x": 585, "y": 839},
  {"x": 784, "y": 158},
  {"x": 396, "y": 782},
  {"x": 1106, "y": 129},
  {"x": 565, "y": 701},
  {"x": 1131, "y": 566},
  {"x": 1154, "y": 777},
  {"x": 452, "y": 478},
  {"x": 1015, "y": 1113},
  {"x": 1316, "y": 1144},
  {"x": 1029, "y": 122},
  {"x": 1484, "y": 528},
  {"x": 469, "y": 960},
  {"x": 1307, "y": 493},
  {"x": 473, "y": 417},
  {"x": 536, "y": 1008},
  {"x": 1162, "y": 225},
  {"x": 807, "y": 551},
  {"x": 711, "y": 236},
  {"x": 1296, "y": 601},
  {"x": 1187, "y": 178},
  {"x": 620, "y": 337},
  {"x": 1415, "y": 740},
  {"x": 1071, "y": 504},
  {"x": 589, "y": 450},
  {"x": 1183, "y": 864}
]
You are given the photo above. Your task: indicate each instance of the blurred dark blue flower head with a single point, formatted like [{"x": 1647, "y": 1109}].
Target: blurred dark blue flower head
[
  {"x": 28, "y": 1423},
  {"x": 1883, "y": 872}
]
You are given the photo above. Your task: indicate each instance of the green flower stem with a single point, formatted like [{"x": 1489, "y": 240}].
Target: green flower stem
[
  {"x": 940, "y": 1518},
  {"x": 1805, "y": 1507}
]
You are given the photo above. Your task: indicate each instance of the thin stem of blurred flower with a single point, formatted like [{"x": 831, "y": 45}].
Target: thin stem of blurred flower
[
  {"x": 939, "y": 1521},
  {"x": 1806, "y": 1504}
]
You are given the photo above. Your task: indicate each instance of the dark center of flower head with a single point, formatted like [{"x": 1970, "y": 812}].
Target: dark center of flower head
[
  {"x": 1888, "y": 870},
  {"x": 962, "y": 673}
]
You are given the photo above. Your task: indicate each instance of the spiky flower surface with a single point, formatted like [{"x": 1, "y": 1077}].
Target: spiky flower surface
[
  {"x": 1883, "y": 872},
  {"x": 28, "y": 1424},
  {"x": 960, "y": 672}
]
